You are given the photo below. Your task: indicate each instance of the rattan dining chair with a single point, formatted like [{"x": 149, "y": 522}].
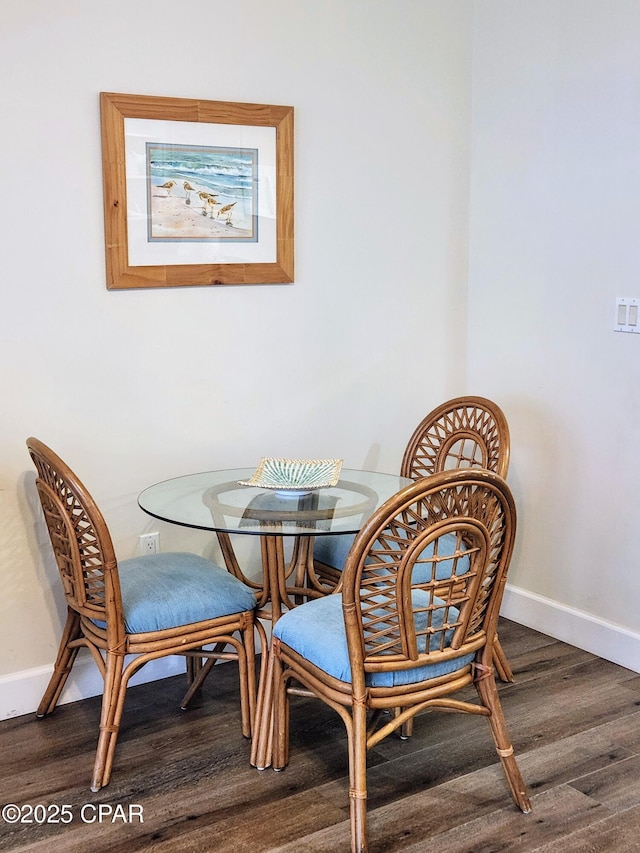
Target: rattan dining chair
[
  {"x": 411, "y": 626},
  {"x": 146, "y": 607},
  {"x": 465, "y": 432}
]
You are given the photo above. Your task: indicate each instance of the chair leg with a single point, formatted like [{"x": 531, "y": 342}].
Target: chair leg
[
  {"x": 193, "y": 669},
  {"x": 197, "y": 672},
  {"x": 501, "y": 663},
  {"x": 63, "y": 665},
  {"x": 486, "y": 687},
  {"x": 406, "y": 729},
  {"x": 357, "y": 737},
  {"x": 281, "y": 714},
  {"x": 112, "y": 704}
]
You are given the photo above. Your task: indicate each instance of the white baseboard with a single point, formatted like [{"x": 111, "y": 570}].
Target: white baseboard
[
  {"x": 604, "y": 639},
  {"x": 20, "y": 692}
]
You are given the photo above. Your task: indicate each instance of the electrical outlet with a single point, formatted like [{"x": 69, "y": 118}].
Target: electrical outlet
[{"x": 149, "y": 543}]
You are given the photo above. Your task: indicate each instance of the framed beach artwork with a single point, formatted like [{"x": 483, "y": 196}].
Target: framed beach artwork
[{"x": 196, "y": 192}]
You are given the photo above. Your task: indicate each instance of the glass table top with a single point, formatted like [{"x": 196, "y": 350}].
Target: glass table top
[{"x": 214, "y": 500}]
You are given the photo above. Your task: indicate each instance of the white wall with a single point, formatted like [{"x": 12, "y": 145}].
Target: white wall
[
  {"x": 554, "y": 238},
  {"x": 134, "y": 387}
]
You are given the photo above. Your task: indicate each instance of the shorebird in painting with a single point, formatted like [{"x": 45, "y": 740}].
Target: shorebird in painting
[
  {"x": 227, "y": 210},
  {"x": 168, "y": 186},
  {"x": 188, "y": 190},
  {"x": 211, "y": 201},
  {"x": 203, "y": 196},
  {"x": 206, "y": 198}
]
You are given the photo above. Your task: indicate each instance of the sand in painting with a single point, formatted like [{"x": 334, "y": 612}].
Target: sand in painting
[{"x": 172, "y": 217}]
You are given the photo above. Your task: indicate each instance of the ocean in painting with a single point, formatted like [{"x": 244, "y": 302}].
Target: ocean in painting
[{"x": 217, "y": 186}]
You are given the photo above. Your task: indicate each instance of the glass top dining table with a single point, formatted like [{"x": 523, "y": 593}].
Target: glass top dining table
[{"x": 216, "y": 501}]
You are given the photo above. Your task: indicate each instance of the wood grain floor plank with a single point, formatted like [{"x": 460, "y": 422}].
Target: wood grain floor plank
[
  {"x": 616, "y": 834},
  {"x": 555, "y": 813},
  {"x": 616, "y": 786},
  {"x": 574, "y": 720}
]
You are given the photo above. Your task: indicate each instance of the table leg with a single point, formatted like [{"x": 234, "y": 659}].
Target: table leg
[
  {"x": 301, "y": 559},
  {"x": 261, "y": 745},
  {"x": 273, "y": 567},
  {"x": 272, "y": 549},
  {"x": 275, "y": 572}
]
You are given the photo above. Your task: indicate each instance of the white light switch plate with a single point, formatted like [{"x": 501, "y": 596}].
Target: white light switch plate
[{"x": 626, "y": 318}]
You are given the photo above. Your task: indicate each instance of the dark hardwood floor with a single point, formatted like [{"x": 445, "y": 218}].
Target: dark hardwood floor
[{"x": 574, "y": 720}]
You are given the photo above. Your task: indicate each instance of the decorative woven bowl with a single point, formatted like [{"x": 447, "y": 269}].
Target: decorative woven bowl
[{"x": 295, "y": 476}]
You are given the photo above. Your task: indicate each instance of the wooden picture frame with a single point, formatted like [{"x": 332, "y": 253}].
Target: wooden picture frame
[{"x": 224, "y": 217}]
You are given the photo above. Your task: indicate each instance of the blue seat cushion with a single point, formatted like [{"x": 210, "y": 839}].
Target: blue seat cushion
[
  {"x": 333, "y": 551},
  {"x": 316, "y": 631},
  {"x": 167, "y": 590}
]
